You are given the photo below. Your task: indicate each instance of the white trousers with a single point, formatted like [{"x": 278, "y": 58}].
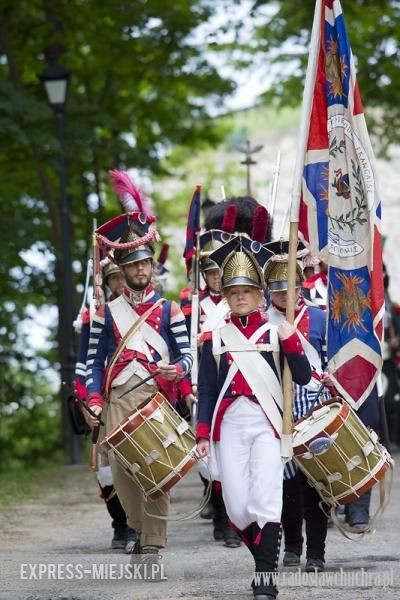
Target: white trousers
[{"x": 250, "y": 465}]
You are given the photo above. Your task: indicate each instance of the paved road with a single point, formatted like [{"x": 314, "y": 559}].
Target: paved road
[{"x": 67, "y": 532}]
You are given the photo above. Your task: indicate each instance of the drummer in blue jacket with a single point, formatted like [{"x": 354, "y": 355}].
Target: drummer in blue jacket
[{"x": 300, "y": 499}]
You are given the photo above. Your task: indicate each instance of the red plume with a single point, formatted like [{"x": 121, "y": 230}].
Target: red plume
[
  {"x": 229, "y": 220},
  {"x": 163, "y": 254},
  {"x": 260, "y": 224},
  {"x": 129, "y": 195}
]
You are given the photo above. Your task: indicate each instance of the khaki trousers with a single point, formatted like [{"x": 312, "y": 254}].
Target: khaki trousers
[{"x": 153, "y": 531}]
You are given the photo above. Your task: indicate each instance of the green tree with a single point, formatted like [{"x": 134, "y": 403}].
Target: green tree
[
  {"x": 142, "y": 80},
  {"x": 283, "y": 30}
]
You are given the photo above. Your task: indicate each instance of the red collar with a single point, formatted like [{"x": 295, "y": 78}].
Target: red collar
[
  {"x": 321, "y": 275},
  {"x": 252, "y": 319},
  {"x": 216, "y": 297},
  {"x": 298, "y": 307}
]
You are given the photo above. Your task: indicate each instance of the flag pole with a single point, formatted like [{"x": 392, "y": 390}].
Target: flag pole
[{"x": 286, "y": 445}]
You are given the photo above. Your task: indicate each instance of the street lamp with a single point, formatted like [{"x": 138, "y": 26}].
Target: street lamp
[{"x": 55, "y": 79}]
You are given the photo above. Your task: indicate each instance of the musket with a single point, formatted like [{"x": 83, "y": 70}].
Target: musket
[
  {"x": 98, "y": 293},
  {"x": 90, "y": 411},
  {"x": 195, "y": 317},
  {"x": 95, "y": 434},
  {"x": 274, "y": 190},
  {"x": 93, "y": 452}
]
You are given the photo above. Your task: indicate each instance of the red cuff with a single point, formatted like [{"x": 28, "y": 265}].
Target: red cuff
[
  {"x": 292, "y": 345},
  {"x": 205, "y": 337},
  {"x": 179, "y": 372},
  {"x": 202, "y": 431},
  {"x": 185, "y": 387},
  {"x": 80, "y": 389},
  {"x": 95, "y": 399}
]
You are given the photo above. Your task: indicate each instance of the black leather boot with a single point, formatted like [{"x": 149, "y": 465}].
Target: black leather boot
[
  {"x": 220, "y": 518},
  {"x": 117, "y": 514},
  {"x": 265, "y": 549}
]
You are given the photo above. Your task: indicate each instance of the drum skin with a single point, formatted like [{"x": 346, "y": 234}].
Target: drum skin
[
  {"x": 154, "y": 445},
  {"x": 350, "y": 460}
]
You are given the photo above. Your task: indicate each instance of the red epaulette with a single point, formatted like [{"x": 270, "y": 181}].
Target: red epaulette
[
  {"x": 187, "y": 310},
  {"x": 86, "y": 316},
  {"x": 185, "y": 294}
]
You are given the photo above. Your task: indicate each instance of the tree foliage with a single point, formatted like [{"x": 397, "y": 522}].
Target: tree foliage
[
  {"x": 141, "y": 82},
  {"x": 283, "y": 36}
]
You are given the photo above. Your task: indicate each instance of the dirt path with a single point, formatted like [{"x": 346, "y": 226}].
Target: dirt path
[{"x": 68, "y": 532}]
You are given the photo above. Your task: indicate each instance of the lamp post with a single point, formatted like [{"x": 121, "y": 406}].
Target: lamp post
[{"x": 55, "y": 79}]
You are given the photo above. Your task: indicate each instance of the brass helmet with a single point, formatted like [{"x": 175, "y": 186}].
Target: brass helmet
[
  {"x": 109, "y": 269},
  {"x": 134, "y": 232},
  {"x": 241, "y": 262},
  {"x": 276, "y": 269},
  {"x": 209, "y": 242}
]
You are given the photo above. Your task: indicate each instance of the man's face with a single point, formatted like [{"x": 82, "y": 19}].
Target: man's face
[
  {"x": 279, "y": 299},
  {"x": 138, "y": 274},
  {"x": 212, "y": 280},
  {"x": 243, "y": 299},
  {"x": 116, "y": 282}
]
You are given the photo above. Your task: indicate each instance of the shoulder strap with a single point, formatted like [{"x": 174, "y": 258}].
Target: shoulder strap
[{"x": 132, "y": 330}]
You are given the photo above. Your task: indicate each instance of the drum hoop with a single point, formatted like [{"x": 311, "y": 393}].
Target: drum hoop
[
  {"x": 375, "y": 475},
  {"x": 172, "y": 478},
  {"x": 336, "y": 399},
  {"x": 332, "y": 427},
  {"x": 128, "y": 424}
]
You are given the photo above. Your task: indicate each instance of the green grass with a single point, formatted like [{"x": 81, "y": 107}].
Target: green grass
[{"x": 19, "y": 484}]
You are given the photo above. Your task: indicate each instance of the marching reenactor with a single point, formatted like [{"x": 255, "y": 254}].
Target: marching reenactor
[
  {"x": 135, "y": 335},
  {"x": 315, "y": 288},
  {"x": 114, "y": 280},
  {"x": 240, "y": 403},
  {"x": 300, "y": 499},
  {"x": 213, "y": 310}
]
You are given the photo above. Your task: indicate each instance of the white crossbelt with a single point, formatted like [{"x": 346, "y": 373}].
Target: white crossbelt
[
  {"x": 215, "y": 313},
  {"x": 276, "y": 317},
  {"x": 257, "y": 372}
]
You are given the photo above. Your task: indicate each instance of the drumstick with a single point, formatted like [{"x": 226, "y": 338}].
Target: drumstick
[
  {"x": 146, "y": 379},
  {"x": 319, "y": 392},
  {"x": 89, "y": 410}
]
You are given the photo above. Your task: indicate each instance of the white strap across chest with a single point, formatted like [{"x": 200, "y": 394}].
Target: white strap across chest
[
  {"x": 313, "y": 357},
  {"x": 215, "y": 313},
  {"x": 257, "y": 372},
  {"x": 124, "y": 315}
]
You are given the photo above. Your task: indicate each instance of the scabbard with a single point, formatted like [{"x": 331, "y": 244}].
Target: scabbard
[{"x": 93, "y": 457}]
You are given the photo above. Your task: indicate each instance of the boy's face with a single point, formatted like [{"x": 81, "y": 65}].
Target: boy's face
[
  {"x": 279, "y": 299},
  {"x": 116, "y": 282},
  {"x": 212, "y": 280},
  {"x": 243, "y": 299}
]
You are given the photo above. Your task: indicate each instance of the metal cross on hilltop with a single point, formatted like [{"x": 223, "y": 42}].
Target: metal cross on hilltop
[{"x": 248, "y": 161}]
